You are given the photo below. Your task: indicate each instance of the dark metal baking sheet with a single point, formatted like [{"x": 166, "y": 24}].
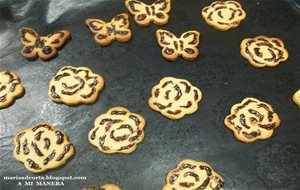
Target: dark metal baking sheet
[{"x": 132, "y": 69}]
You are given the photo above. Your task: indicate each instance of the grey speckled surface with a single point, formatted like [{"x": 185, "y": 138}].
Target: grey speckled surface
[{"x": 131, "y": 69}]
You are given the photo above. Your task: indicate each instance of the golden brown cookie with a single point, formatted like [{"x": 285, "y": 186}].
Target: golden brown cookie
[
  {"x": 117, "y": 131},
  {"x": 296, "y": 98},
  {"x": 42, "y": 147},
  {"x": 172, "y": 47},
  {"x": 174, "y": 97},
  {"x": 75, "y": 85},
  {"x": 10, "y": 88},
  {"x": 145, "y": 14},
  {"x": 224, "y": 15},
  {"x": 190, "y": 174},
  {"x": 263, "y": 51},
  {"x": 44, "y": 47},
  {"x": 251, "y": 120},
  {"x": 104, "y": 187},
  {"x": 106, "y": 32}
]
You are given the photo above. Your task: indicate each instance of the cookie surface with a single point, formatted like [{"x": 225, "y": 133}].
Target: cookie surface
[
  {"x": 44, "y": 47},
  {"x": 191, "y": 175},
  {"x": 296, "y": 98},
  {"x": 117, "y": 131},
  {"x": 104, "y": 187},
  {"x": 10, "y": 88},
  {"x": 42, "y": 147},
  {"x": 263, "y": 51},
  {"x": 75, "y": 85},
  {"x": 251, "y": 120},
  {"x": 172, "y": 47},
  {"x": 174, "y": 97},
  {"x": 106, "y": 32},
  {"x": 145, "y": 14},
  {"x": 224, "y": 15}
]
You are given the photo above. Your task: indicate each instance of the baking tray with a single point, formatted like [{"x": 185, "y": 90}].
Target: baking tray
[{"x": 132, "y": 69}]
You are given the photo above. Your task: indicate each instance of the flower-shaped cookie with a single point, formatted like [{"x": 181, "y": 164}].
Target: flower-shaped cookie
[
  {"x": 251, "y": 120},
  {"x": 224, "y": 15},
  {"x": 73, "y": 86},
  {"x": 192, "y": 175},
  {"x": 117, "y": 131},
  {"x": 174, "y": 97},
  {"x": 42, "y": 148},
  {"x": 263, "y": 51},
  {"x": 105, "y": 33},
  {"x": 10, "y": 88},
  {"x": 296, "y": 98}
]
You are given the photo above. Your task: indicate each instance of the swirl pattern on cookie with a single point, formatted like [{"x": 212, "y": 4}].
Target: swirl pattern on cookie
[
  {"x": 75, "y": 85},
  {"x": 105, "y": 33},
  {"x": 117, "y": 131},
  {"x": 44, "y": 47},
  {"x": 42, "y": 147},
  {"x": 224, "y": 15},
  {"x": 251, "y": 120},
  {"x": 192, "y": 175},
  {"x": 185, "y": 46},
  {"x": 174, "y": 97},
  {"x": 296, "y": 98},
  {"x": 263, "y": 51},
  {"x": 10, "y": 88},
  {"x": 145, "y": 14}
]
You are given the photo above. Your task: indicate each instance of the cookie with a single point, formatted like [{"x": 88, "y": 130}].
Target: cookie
[
  {"x": 117, "y": 131},
  {"x": 190, "y": 174},
  {"x": 251, "y": 120},
  {"x": 107, "y": 32},
  {"x": 224, "y": 15},
  {"x": 263, "y": 51},
  {"x": 145, "y": 14},
  {"x": 104, "y": 187},
  {"x": 75, "y": 85},
  {"x": 10, "y": 88},
  {"x": 172, "y": 47},
  {"x": 296, "y": 98},
  {"x": 44, "y": 47},
  {"x": 42, "y": 147}
]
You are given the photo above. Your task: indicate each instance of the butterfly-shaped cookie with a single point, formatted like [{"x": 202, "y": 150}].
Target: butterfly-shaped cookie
[
  {"x": 144, "y": 14},
  {"x": 186, "y": 45},
  {"x": 105, "y": 33},
  {"x": 44, "y": 47}
]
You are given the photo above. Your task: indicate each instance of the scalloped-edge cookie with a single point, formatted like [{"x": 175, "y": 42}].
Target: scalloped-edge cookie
[
  {"x": 263, "y": 51},
  {"x": 296, "y": 98},
  {"x": 224, "y": 15},
  {"x": 42, "y": 147},
  {"x": 75, "y": 85},
  {"x": 10, "y": 88},
  {"x": 191, "y": 175},
  {"x": 252, "y": 120},
  {"x": 174, "y": 98},
  {"x": 117, "y": 131}
]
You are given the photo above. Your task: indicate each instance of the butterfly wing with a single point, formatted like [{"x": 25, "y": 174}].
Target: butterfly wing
[
  {"x": 190, "y": 42},
  {"x": 28, "y": 40},
  {"x": 99, "y": 29},
  {"x": 166, "y": 40},
  {"x": 121, "y": 24},
  {"x": 138, "y": 9},
  {"x": 161, "y": 10}
]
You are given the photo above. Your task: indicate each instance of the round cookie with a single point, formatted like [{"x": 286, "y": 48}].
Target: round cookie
[
  {"x": 104, "y": 187},
  {"x": 174, "y": 98},
  {"x": 185, "y": 46},
  {"x": 224, "y": 15},
  {"x": 263, "y": 51},
  {"x": 44, "y": 47},
  {"x": 145, "y": 14},
  {"x": 42, "y": 147},
  {"x": 252, "y": 120},
  {"x": 105, "y": 33},
  {"x": 117, "y": 131},
  {"x": 296, "y": 98},
  {"x": 75, "y": 85},
  {"x": 191, "y": 175},
  {"x": 10, "y": 88}
]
